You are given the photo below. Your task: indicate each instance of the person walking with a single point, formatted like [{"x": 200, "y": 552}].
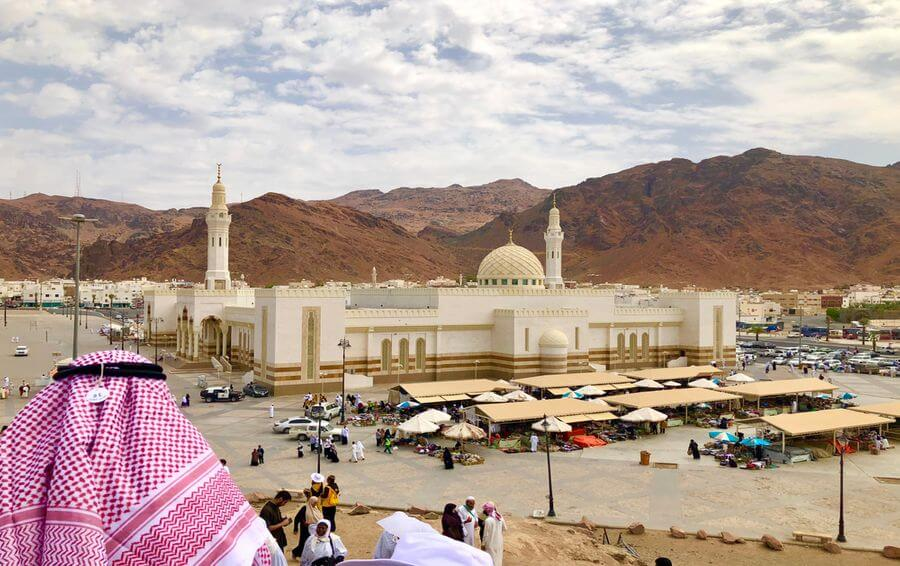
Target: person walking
[
  {"x": 469, "y": 520},
  {"x": 355, "y": 455},
  {"x": 187, "y": 399},
  {"x": 299, "y": 448},
  {"x": 262, "y": 454},
  {"x": 388, "y": 445},
  {"x": 379, "y": 436},
  {"x": 271, "y": 514},
  {"x": 272, "y": 411},
  {"x": 345, "y": 436},
  {"x": 492, "y": 535},
  {"x": 451, "y": 524},
  {"x": 448, "y": 459},
  {"x": 254, "y": 458},
  {"x": 309, "y": 515},
  {"x": 330, "y": 501},
  {"x": 362, "y": 450},
  {"x": 534, "y": 442},
  {"x": 694, "y": 449}
]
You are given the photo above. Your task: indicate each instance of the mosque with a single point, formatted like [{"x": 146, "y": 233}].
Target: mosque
[{"x": 520, "y": 320}]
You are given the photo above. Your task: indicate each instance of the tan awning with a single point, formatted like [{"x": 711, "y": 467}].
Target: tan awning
[
  {"x": 574, "y": 419},
  {"x": 799, "y": 424},
  {"x": 456, "y": 397},
  {"x": 602, "y": 416},
  {"x": 760, "y": 389},
  {"x": 891, "y": 409},
  {"x": 559, "y": 390},
  {"x": 575, "y": 380},
  {"x": 669, "y": 398},
  {"x": 667, "y": 374},
  {"x": 534, "y": 410},
  {"x": 458, "y": 387},
  {"x": 428, "y": 400}
]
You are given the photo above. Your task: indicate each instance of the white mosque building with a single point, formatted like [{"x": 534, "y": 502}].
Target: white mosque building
[{"x": 520, "y": 320}]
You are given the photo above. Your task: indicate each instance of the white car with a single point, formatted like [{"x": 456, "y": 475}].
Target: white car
[
  {"x": 331, "y": 410},
  {"x": 21, "y": 351},
  {"x": 304, "y": 432},
  {"x": 793, "y": 335},
  {"x": 780, "y": 360},
  {"x": 285, "y": 425}
]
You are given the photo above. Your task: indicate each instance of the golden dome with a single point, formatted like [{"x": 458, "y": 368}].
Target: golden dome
[{"x": 511, "y": 266}]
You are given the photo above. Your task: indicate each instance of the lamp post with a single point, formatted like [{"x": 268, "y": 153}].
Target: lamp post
[
  {"x": 155, "y": 335},
  {"x": 110, "y": 319},
  {"x": 78, "y": 220},
  {"x": 476, "y": 368},
  {"x": 316, "y": 412},
  {"x": 842, "y": 442},
  {"x": 546, "y": 425},
  {"x": 343, "y": 344}
]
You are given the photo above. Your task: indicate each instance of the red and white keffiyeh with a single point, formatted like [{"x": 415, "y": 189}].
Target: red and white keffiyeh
[{"x": 127, "y": 481}]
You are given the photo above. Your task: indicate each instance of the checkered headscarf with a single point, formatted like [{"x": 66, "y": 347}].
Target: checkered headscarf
[{"x": 128, "y": 481}]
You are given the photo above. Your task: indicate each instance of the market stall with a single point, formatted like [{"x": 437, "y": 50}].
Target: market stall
[
  {"x": 682, "y": 397},
  {"x": 821, "y": 422},
  {"x": 680, "y": 374},
  {"x": 890, "y": 410},
  {"x": 558, "y": 384},
  {"x": 445, "y": 391},
  {"x": 782, "y": 388}
]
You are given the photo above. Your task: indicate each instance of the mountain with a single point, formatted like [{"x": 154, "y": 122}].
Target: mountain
[
  {"x": 36, "y": 243},
  {"x": 454, "y": 209},
  {"x": 276, "y": 239},
  {"x": 760, "y": 219}
]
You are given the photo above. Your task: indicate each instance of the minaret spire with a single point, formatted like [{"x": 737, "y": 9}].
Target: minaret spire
[
  {"x": 218, "y": 221},
  {"x": 553, "y": 238}
]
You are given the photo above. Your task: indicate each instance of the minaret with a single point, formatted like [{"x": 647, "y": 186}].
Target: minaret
[
  {"x": 553, "y": 237},
  {"x": 217, "y": 222}
]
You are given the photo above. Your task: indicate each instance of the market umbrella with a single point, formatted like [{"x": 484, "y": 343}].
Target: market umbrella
[
  {"x": 590, "y": 391},
  {"x": 435, "y": 416},
  {"x": 649, "y": 384},
  {"x": 671, "y": 384},
  {"x": 518, "y": 395},
  {"x": 703, "y": 383},
  {"x": 464, "y": 432},
  {"x": 504, "y": 384},
  {"x": 400, "y": 524},
  {"x": 553, "y": 425},
  {"x": 753, "y": 441},
  {"x": 644, "y": 415},
  {"x": 407, "y": 405},
  {"x": 848, "y": 396},
  {"x": 599, "y": 402},
  {"x": 490, "y": 397},
  {"x": 574, "y": 395},
  {"x": 418, "y": 425},
  {"x": 723, "y": 435},
  {"x": 740, "y": 378},
  {"x": 702, "y": 405}
]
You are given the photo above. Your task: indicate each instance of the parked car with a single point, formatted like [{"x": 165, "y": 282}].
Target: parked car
[
  {"x": 21, "y": 351},
  {"x": 793, "y": 335},
  {"x": 220, "y": 393},
  {"x": 304, "y": 432},
  {"x": 331, "y": 410},
  {"x": 285, "y": 425},
  {"x": 255, "y": 390},
  {"x": 780, "y": 360}
]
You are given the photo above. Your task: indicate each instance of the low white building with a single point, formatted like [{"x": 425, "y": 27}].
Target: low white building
[{"x": 509, "y": 325}]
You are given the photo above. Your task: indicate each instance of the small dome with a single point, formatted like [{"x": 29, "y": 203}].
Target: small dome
[
  {"x": 554, "y": 338},
  {"x": 511, "y": 265}
]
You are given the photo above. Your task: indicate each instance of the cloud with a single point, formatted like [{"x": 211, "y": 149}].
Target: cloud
[{"x": 323, "y": 97}]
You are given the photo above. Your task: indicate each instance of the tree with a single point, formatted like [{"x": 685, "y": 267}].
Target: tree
[{"x": 756, "y": 329}]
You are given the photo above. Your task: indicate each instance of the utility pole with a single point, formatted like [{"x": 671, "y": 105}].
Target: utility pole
[{"x": 78, "y": 220}]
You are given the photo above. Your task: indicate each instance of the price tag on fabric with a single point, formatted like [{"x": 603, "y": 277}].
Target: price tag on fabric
[{"x": 98, "y": 395}]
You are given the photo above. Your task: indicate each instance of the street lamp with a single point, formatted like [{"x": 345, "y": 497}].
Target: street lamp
[
  {"x": 343, "y": 344},
  {"x": 155, "y": 335},
  {"x": 316, "y": 412},
  {"x": 476, "y": 368},
  {"x": 78, "y": 220},
  {"x": 842, "y": 444},
  {"x": 545, "y": 425}
]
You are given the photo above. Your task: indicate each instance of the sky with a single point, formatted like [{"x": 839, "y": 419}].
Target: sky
[{"x": 314, "y": 99}]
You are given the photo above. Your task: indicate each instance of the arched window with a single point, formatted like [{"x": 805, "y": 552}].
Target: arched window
[
  {"x": 404, "y": 354},
  {"x": 385, "y": 355},
  {"x": 420, "y": 354},
  {"x": 645, "y": 347},
  {"x": 312, "y": 333},
  {"x": 632, "y": 346},
  {"x": 621, "y": 346}
]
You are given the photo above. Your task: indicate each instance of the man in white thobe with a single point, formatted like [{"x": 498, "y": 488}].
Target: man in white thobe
[
  {"x": 272, "y": 411},
  {"x": 469, "y": 520},
  {"x": 354, "y": 455},
  {"x": 534, "y": 442}
]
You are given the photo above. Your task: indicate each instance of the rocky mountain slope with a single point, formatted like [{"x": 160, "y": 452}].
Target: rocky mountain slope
[
  {"x": 760, "y": 219},
  {"x": 454, "y": 209}
]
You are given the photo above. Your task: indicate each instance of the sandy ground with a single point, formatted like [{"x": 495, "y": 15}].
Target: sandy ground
[{"x": 529, "y": 542}]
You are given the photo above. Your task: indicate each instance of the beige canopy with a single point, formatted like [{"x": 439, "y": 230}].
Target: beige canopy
[
  {"x": 799, "y": 424},
  {"x": 576, "y": 380},
  {"x": 665, "y": 374},
  {"x": 890, "y": 409},
  {"x": 531, "y": 410},
  {"x": 596, "y": 417},
  {"x": 670, "y": 398},
  {"x": 761, "y": 389},
  {"x": 450, "y": 390}
]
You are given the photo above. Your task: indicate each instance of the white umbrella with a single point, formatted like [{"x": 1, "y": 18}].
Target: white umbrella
[
  {"x": 490, "y": 397},
  {"x": 418, "y": 425},
  {"x": 435, "y": 416},
  {"x": 740, "y": 378},
  {"x": 703, "y": 383},
  {"x": 599, "y": 402},
  {"x": 649, "y": 384},
  {"x": 504, "y": 384},
  {"x": 551, "y": 424},
  {"x": 400, "y": 524},
  {"x": 464, "y": 431},
  {"x": 590, "y": 391},
  {"x": 644, "y": 415},
  {"x": 671, "y": 384},
  {"x": 518, "y": 395}
]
